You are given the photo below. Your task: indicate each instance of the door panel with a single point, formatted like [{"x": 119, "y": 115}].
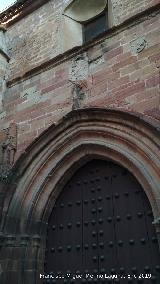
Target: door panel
[{"x": 102, "y": 225}]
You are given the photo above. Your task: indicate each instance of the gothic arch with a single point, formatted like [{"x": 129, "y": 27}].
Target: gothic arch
[{"x": 45, "y": 167}]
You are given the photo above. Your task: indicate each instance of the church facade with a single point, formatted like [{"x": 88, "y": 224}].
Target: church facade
[{"x": 80, "y": 142}]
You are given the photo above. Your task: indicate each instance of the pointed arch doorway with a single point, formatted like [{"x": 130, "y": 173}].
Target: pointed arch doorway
[
  {"x": 101, "y": 224},
  {"x": 45, "y": 170}
]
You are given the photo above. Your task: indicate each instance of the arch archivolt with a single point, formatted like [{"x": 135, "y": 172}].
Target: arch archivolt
[{"x": 81, "y": 136}]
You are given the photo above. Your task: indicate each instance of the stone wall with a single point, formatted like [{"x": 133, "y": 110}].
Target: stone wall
[
  {"x": 120, "y": 70},
  {"x": 3, "y": 65},
  {"x": 117, "y": 71},
  {"x": 35, "y": 39},
  {"x": 123, "y": 9},
  {"x": 38, "y": 37}
]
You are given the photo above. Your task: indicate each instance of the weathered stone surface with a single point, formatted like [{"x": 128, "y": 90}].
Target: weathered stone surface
[
  {"x": 108, "y": 74},
  {"x": 42, "y": 139},
  {"x": 3, "y": 46},
  {"x": 138, "y": 45},
  {"x": 79, "y": 68},
  {"x": 3, "y": 65},
  {"x": 8, "y": 146}
]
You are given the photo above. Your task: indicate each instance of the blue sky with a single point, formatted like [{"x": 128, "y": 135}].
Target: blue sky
[{"x": 5, "y": 3}]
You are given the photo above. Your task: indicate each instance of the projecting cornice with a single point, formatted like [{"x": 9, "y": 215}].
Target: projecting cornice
[{"x": 19, "y": 10}]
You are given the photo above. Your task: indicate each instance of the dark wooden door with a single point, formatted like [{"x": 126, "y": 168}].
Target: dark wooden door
[{"x": 102, "y": 226}]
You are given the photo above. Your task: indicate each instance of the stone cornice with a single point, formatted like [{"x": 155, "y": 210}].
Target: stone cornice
[{"x": 19, "y": 10}]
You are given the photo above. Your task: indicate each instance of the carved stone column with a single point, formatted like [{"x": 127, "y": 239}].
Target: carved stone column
[
  {"x": 8, "y": 145},
  {"x": 18, "y": 258}
]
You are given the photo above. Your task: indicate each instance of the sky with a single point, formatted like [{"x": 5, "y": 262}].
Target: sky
[{"x": 5, "y": 3}]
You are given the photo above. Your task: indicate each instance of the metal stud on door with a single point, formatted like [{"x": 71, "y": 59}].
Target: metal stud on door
[{"x": 102, "y": 226}]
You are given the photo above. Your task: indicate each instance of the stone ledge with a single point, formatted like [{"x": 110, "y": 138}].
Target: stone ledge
[{"x": 19, "y": 10}]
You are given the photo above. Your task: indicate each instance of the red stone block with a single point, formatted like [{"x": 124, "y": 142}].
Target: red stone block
[
  {"x": 121, "y": 64},
  {"x": 61, "y": 73},
  {"x": 112, "y": 53},
  {"x": 150, "y": 51},
  {"x": 153, "y": 81},
  {"x": 54, "y": 86},
  {"x": 104, "y": 75},
  {"x": 117, "y": 83},
  {"x": 155, "y": 57},
  {"x": 126, "y": 90},
  {"x": 98, "y": 89}
]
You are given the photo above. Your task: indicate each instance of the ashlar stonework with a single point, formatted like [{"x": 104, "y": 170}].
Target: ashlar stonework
[{"x": 64, "y": 105}]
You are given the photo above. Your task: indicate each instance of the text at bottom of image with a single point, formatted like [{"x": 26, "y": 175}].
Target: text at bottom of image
[{"x": 98, "y": 276}]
